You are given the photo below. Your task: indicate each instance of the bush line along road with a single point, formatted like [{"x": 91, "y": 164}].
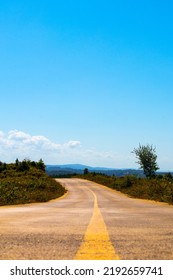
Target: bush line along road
[{"x": 89, "y": 222}]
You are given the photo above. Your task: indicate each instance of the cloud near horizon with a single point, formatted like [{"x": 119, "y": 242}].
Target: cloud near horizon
[{"x": 18, "y": 144}]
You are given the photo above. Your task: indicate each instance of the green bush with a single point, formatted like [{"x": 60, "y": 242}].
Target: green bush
[{"x": 29, "y": 185}]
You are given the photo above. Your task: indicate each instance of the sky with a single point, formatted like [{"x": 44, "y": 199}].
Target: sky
[{"x": 86, "y": 81}]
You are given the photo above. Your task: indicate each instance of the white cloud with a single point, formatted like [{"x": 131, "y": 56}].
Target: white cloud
[
  {"x": 17, "y": 135},
  {"x": 72, "y": 144},
  {"x": 19, "y": 144},
  {"x": 1, "y": 134},
  {"x": 18, "y": 140}
]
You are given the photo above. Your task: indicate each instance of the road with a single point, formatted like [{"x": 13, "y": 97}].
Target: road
[{"x": 89, "y": 222}]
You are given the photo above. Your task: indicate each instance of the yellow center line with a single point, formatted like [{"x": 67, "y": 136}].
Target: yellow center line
[{"x": 96, "y": 244}]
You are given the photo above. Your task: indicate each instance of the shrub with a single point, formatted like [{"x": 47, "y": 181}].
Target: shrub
[{"x": 25, "y": 183}]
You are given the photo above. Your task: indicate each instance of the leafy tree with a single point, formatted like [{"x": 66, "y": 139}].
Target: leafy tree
[
  {"x": 41, "y": 165},
  {"x": 33, "y": 164},
  {"x": 3, "y": 166},
  {"x": 17, "y": 162},
  {"x": 24, "y": 165},
  {"x": 147, "y": 157},
  {"x": 85, "y": 171}
]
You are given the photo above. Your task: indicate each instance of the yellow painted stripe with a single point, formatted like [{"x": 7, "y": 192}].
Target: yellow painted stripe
[{"x": 96, "y": 244}]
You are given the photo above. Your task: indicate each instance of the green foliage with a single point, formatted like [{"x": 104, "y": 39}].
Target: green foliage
[
  {"x": 146, "y": 156},
  {"x": 40, "y": 165},
  {"x": 26, "y": 182},
  {"x": 3, "y": 166},
  {"x": 26, "y": 164},
  {"x": 157, "y": 188},
  {"x": 85, "y": 171}
]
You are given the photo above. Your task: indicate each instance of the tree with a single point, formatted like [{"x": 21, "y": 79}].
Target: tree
[
  {"x": 147, "y": 157},
  {"x": 85, "y": 172},
  {"x": 24, "y": 165},
  {"x": 17, "y": 162},
  {"x": 41, "y": 165}
]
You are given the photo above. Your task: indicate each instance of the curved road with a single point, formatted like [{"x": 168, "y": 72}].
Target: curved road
[{"x": 89, "y": 222}]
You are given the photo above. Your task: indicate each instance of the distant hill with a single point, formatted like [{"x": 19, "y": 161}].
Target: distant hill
[
  {"x": 67, "y": 169},
  {"x": 78, "y": 167}
]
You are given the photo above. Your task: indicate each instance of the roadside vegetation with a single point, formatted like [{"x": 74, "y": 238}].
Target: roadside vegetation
[
  {"x": 147, "y": 159},
  {"x": 26, "y": 182},
  {"x": 158, "y": 188},
  {"x": 151, "y": 187}
]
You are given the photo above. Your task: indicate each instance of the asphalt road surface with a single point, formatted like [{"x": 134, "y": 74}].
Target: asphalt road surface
[{"x": 89, "y": 222}]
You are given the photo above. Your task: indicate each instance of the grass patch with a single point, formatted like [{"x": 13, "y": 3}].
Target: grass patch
[{"x": 19, "y": 185}]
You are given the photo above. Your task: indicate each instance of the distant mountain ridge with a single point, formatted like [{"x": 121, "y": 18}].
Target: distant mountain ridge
[{"x": 79, "y": 169}]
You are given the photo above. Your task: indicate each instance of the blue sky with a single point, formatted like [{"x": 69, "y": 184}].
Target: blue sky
[{"x": 86, "y": 81}]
